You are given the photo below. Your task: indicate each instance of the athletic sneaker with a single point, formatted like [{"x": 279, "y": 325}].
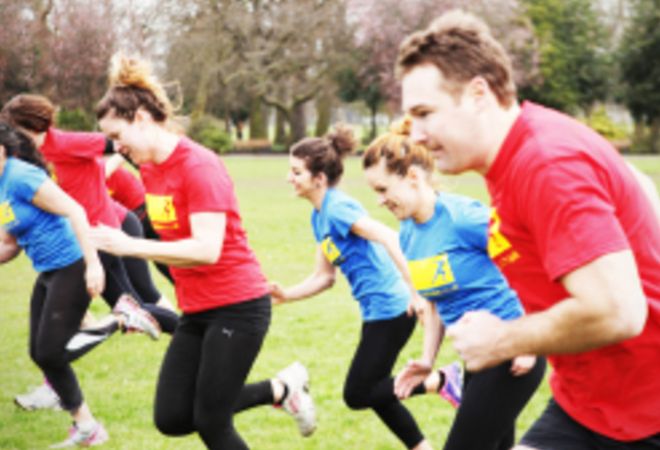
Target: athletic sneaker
[
  {"x": 96, "y": 435},
  {"x": 42, "y": 397},
  {"x": 298, "y": 401},
  {"x": 452, "y": 388},
  {"x": 135, "y": 317}
]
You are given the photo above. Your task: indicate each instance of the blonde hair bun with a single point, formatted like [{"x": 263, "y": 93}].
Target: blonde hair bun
[
  {"x": 402, "y": 127},
  {"x": 127, "y": 71}
]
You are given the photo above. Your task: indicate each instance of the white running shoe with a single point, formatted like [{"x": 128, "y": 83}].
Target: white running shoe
[
  {"x": 42, "y": 397},
  {"x": 136, "y": 318},
  {"x": 95, "y": 435},
  {"x": 299, "y": 402}
]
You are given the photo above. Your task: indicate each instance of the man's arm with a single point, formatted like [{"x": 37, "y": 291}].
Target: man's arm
[{"x": 606, "y": 305}]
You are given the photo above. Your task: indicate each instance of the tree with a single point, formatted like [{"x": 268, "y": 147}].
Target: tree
[
  {"x": 381, "y": 25},
  {"x": 640, "y": 68},
  {"x": 280, "y": 52},
  {"x": 575, "y": 67},
  {"x": 45, "y": 48}
]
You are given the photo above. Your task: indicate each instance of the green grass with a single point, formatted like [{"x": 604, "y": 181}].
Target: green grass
[{"x": 118, "y": 378}]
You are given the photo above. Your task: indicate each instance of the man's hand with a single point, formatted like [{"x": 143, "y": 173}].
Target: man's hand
[{"x": 476, "y": 336}]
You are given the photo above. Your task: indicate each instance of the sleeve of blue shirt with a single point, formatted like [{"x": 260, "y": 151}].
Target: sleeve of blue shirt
[
  {"x": 27, "y": 181},
  {"x": 314, "y": 219},
  {"x": 343, "y": 214},
  {"x": 472, "y": 224}
]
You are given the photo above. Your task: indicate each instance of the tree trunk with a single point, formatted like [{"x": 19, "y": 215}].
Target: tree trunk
[
  {"x": 280, "y": 127},
  {"x": 298, "y": 122},
  {"x": 258, "y": 125},
  {"x": 374, "y": 127},
  {"x": 323, "y": 113},
  {"x": 201, "y": 96}
]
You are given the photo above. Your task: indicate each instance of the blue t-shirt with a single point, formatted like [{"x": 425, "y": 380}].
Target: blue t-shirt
[
  {"x": 375, "y": 281},
  {"x": 449, "y": 262},
  {"x": 47, "y": 239}
]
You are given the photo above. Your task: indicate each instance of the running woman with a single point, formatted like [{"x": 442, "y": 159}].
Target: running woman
[
  {"x": 38, "y": 217},
  {"x": 219, "y": 284},
  {"x": 368, "y": 254},
  {"x": 444, "y": 238}
]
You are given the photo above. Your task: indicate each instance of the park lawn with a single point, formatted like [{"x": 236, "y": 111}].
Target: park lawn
[{"x": 118, "y": 378}]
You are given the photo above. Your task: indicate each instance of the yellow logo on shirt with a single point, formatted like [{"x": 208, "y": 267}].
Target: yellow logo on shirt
[
  {"x": 499, "y": 247},
  {"x": 7, "y": 215},
  {"x": 51, "y": 171},
  {"x": 433, "y": 275},
  {"x": 331, "y": 251},
  {"x": 161, "y": 211}
]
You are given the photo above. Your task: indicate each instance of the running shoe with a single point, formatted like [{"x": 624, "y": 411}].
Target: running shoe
[
  {"x": 298, "y": 401},
  {"x": 42, "y": 397},
  {"x": 96, "y": 435},
  {"x": 452, "y": 387},
  {"x": 136, "y": 319}
]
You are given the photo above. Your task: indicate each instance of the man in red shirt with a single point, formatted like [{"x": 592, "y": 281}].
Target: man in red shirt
[{"x": 571, "y": 229}]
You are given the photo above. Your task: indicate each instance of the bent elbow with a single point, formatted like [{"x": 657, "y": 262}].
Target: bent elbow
[
  {"x": 211, "y": 257},
  {"x": 330, "y": 281},
  {"x": 628, "y": 323},
  {"x": 208, "y": 255},
  {"x": 632, "y": 325}
]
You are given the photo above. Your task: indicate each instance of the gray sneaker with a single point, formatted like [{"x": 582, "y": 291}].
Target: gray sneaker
[
  {"x": 136, "y": 319},
  {"x": 299, "y": 402},
  {"x": 42, "y": 397}
]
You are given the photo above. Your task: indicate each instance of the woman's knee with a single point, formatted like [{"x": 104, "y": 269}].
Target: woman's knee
[
  {"x": 171, "y": 423},
  {"x": 356, "y": 397},
  {"x": 45, "y": 357}
]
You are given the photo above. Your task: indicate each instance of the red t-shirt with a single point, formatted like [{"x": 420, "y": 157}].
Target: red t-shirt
[
  {"x": 563, "y": 197},
  {"x": 125, "y": 188},
  {"x": 194, "y": 180},
  {"x": 74, "y": 159}
]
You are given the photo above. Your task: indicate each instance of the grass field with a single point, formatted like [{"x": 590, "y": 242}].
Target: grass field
[{"x": 118, "y": 378}]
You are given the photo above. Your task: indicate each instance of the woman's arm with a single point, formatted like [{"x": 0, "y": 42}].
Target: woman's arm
[
  {"x": 373, "y": 230},
  {"x": 9, "y": 248},
  {"x": 416, "y": 371},
  {"x": 321, "y": 279},
  {"x": 204, "y": 246},
  {"x": 51, "y": 198}
]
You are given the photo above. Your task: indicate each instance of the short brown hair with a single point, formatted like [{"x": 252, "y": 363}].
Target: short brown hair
[
  {"x": 398, "y": 151},
  {"x": 31, "y": 112},
  {"x": 462, "y": 47}
]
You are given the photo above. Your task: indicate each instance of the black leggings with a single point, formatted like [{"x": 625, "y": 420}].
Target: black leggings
[
  {"x": 118, "y": 283},
  {"x": 139, "y": 277},
  {"x": 491, "y": 402},
  {"x": 58, "y": 304},
  {"x": 137, "y": 268},
  {"x": 369, "y": 383},
  {"x": 201, "y": 382},
  {"x": 150, "y": 233}
]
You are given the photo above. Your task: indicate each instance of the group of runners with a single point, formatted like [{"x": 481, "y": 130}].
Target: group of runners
[{"x": 563, "y": 266}]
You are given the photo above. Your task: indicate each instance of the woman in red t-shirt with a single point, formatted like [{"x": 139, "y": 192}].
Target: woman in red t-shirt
[{"x": 219, "y": 284}]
